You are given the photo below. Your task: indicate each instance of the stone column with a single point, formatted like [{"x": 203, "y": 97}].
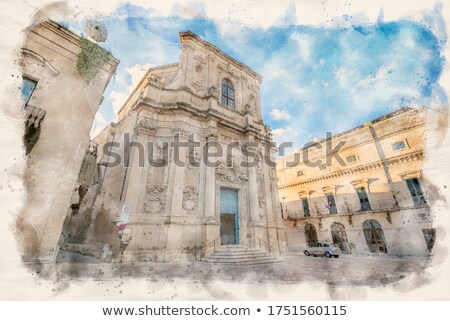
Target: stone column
[
  {"x": 210, "y": 186},
  {"x": 212, "y": 222},
  {"x": 253, "y": 194},
  {"x": 176, "y": 179},
  {"x": 134, "y": 187}
]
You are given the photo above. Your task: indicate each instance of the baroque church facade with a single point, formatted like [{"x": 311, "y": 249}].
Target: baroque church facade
[{"x": 142, "y": 197}]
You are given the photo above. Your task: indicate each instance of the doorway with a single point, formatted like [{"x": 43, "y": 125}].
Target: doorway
[
  {"x": 374, "y": 236},
  {"x": 229, "y": 221},
  {"x": 310, "y": 234},
  {"x": 339, "y": 237}
]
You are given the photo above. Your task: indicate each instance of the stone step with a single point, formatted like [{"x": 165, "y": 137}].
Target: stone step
[
  {"x": 240, "y": 254},
  {"x": 255, "y": 254}
]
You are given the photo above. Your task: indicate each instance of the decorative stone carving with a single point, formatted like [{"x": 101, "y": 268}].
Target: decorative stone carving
[
  {"x": 212, "y": 91},
  {"x": 262, "y": 202},
  {"x": 155, "y": 189},
  {"x": 200, "y": 58},
  {"x": 181, "y": 131},
  {"x": 198, "y": 68},
  {"x": 145, "y": 125},
  {"x": 154, "y": 205},
  {"x": 231, "y": 174},
  {"x": 197, "y": 85},
  {"x": 249, "y": 110},
  {"x": 156, "y": 81},
  {"x": 253, "y": 87},
  {"x": 228, "y": 69},
  {"x": 190, "y": 199}
]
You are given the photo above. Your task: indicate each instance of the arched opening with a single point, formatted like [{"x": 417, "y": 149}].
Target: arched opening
[
  {"x": 374, "y": 236},
  {"x": 228, "y": 98},
  {"x": 339, "y": 237},
  {"x": 310, "y": 234}
]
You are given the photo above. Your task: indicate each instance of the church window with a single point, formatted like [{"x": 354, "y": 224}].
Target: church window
[{"x": 228, "y": 98}]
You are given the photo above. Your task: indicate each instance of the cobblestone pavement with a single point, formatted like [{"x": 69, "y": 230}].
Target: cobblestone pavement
[{"x": 294, "y": 268}]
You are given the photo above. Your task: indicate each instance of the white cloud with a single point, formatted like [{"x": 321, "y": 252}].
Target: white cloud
[
  {"x": 287, "y": 134},
  {"x": 278, "y": 114},
  {"x": 136, "y": 73},
  {"x": 100, "y": 122},
  {"x": 117, "y": 100}
]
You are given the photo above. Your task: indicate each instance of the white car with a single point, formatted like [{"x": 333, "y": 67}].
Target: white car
[{"x": 322, "y": 249}]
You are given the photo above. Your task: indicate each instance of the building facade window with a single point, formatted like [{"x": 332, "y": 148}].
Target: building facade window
[
  {"x": 228, "y": 97},
  {"x": 306, "y": 211},
  {"x": 363, "y": 199},
  {"x": 398, "y": 145},
  {"x": 374, "y": 237},
  {"x": 27, "y": 89},
  {"x": 416, "y": 191},
  {"x": 331, "y": 204},
  {"x": 351, "y": 159}
]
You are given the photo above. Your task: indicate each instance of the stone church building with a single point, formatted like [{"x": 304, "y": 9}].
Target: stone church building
[{"x": 142, "y": 197}]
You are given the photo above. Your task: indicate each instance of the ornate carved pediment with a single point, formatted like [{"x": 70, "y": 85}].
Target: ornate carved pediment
[
  {"x": 190, "y": 199},
  {"x": 232, "y": 174}
]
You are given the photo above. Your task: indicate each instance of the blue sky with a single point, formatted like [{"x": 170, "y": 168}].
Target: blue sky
[{"x": 315, "y": 79}]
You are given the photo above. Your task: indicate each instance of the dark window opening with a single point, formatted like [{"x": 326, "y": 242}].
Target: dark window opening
[
  {"x": 305, "y": 204},
  {"x": 416, "y": 191},
  {"x": 331, "y": 204},
  {"x": 363, "y": 199}
]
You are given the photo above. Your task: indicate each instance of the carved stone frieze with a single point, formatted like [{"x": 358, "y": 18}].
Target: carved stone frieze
[
  {"x": 231, "y": 174},
  {"x": 155, "y": 189}
]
